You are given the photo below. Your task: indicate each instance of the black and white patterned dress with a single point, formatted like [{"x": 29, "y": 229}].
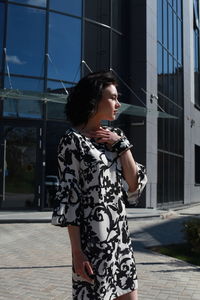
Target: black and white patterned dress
[{"x": 92, "y": 195}]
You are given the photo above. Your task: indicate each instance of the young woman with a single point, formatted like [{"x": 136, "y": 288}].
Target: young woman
[{"x": 97, "y": 170}]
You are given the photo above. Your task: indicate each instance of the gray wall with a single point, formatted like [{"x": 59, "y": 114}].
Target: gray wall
[
  {"x": 151, "y": 122},
  {"x": 137, "y": 78},
  {"x": 143, "y": 72},
  {"x": 191, "y": 133}
]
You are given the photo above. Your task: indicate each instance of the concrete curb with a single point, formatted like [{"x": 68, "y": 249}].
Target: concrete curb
[{"x": 12, "y": 217}]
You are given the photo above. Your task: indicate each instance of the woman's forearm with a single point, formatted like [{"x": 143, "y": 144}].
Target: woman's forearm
[
  {"x": 129, "y": 169},
  {"x": 74, "y": 235}
]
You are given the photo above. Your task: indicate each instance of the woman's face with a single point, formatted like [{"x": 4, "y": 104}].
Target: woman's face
[{"x": 109, "y": 104}]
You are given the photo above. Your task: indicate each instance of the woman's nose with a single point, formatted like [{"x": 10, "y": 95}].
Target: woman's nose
[{"x": 117, "y": 104}]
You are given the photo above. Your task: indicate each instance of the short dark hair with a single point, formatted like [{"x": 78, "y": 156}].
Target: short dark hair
[{"x": 83, "y": 99}]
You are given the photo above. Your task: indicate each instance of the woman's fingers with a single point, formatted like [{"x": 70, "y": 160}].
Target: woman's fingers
[
  {"x": 82, "y": 266},
  {"x": 88, "y": 272},
  {"x": 105, "y": 136}
]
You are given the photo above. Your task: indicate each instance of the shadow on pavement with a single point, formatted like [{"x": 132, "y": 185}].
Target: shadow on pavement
[
  {"x": 161, "y": 232},
  {"x": 34, "y": 267}
]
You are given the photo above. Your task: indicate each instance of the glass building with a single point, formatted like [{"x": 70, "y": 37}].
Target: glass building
[{"x": 46, "y": 46}]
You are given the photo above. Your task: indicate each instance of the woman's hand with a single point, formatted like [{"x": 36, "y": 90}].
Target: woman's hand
[
  {"x": 104, "y": 135},
  {"x": 82, "y": 266}
]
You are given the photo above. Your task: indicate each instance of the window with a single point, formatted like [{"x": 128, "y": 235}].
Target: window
[
  {"x": 197, "y": 164},
  {"x": 64, "y": 47},
  {"x": 119, "y": 15},
  {"x": 119, "y": 43},
  {"x": 25, "y": 40},
  {"x": 96, "y": 47},
  {"x": 22, "y": 108},
  {"x": 170, "y": 92},
  {"x": 56, "y": 110},
  {"x": 2, "y": 13},
  {"x": 98, "y": 10},
  {"x": 71, "y": 7},
  {"x": 160, "y": 20},
  {"x": 40, "y": 3}
]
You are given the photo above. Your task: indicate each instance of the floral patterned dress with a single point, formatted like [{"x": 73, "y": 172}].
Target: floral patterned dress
[{"x": 92, "y": 195}]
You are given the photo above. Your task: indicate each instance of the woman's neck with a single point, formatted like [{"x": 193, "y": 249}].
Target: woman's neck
[{"x": 92, "y": 125}]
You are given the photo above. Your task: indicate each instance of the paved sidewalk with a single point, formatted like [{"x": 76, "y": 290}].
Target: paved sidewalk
[
  {"x": 35, "y": 258},
  {"x": 133, "y": 213}
]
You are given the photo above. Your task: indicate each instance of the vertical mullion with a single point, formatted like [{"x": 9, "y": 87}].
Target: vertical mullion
[
  {"x": 46, "y": 46},
  {"x": 4, "y": 42},
  {"x": 111, "y": 34},
  {"x": 82, "y": 38}
]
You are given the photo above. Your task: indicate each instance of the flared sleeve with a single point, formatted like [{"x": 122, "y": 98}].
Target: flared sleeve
[
  {"x": 133, "y": 198},
  {"x": 68, "y": 198}
]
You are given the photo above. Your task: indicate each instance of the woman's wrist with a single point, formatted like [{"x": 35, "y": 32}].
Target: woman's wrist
[
  {"x": 121, "y": 145},
  {"x": 76, "y": 251}
]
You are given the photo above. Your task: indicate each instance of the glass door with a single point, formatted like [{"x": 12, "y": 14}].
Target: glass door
[{"x": 19, "y": 155}]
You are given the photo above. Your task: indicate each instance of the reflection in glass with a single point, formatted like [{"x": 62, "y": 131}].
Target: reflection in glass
[
  {"x": 159, "y": 59},
  {"x": 98, "y": 10},
  {"x": 97, "y": 52},
  {"x": 41, "y": 3},
  {"x": 171, "y": 78},
  {"x": 2, "y": 14},
  {"x": 180, "y": 42},
  {"x": 25, "y": 42},
  {"x": 159, "y": 67},
  {"x": 165, "y": 23},
  {"x": 179, "y": 8},
  {"x": 57, "y": 86},
  {"x": 23, "y": 108},
  {"x": 64, "y": 47},
  {"x": 53, "y": 136},
  {"x": 19, "y": 167},
  {"x": 56, "y": 110},
  {"x": 170, "y": 30},
  {"x": 119, "y": 43},
  {"x": 25, "y": 84},
  {"x": 175, "y": 30},
  {"x": 170, "y": 91},
  {"x": 119, "y": 14},
  {"x": 180, "y": 85},
  {"x": 71, "y": 7},
  {"x": 196, "y": 68},
  {"x": 159, "y": 24},
  {"x": 165, "y": 72},
  {"x": 170, "y": 2},
  {"x": 175, "y": 81}
]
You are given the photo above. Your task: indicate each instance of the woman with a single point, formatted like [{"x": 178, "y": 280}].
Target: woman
[{"x": 97, "y": 170}]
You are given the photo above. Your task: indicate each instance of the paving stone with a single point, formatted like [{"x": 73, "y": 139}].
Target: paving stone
[{"x": 35, "y": 262}]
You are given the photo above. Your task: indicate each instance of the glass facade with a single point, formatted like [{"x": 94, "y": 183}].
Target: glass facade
[
  {"x": 64, "y": 47},
  {"x": 42, "y": 45},
  {"x": 98, "y": 10},
  {"x": 170, "y": 93},
  {"x": 20, "y": 145},
  {"x": 25, "y": 45},
  {"x": 197, "y": 163},
  {"x": 196, "y": 54},
  {"x": 23, "y": 108},
  {"x": 2, "y": 23},
  {"x": 70, "y": 7}
]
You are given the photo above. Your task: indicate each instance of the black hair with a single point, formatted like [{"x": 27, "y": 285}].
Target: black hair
[{"x": 83, "y": 99}]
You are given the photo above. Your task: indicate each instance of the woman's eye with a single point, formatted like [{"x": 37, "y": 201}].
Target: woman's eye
[{"x": 115, "y": 99}]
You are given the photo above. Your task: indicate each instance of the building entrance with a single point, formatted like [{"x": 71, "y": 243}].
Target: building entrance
[{"x": 19, "y": 183}]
